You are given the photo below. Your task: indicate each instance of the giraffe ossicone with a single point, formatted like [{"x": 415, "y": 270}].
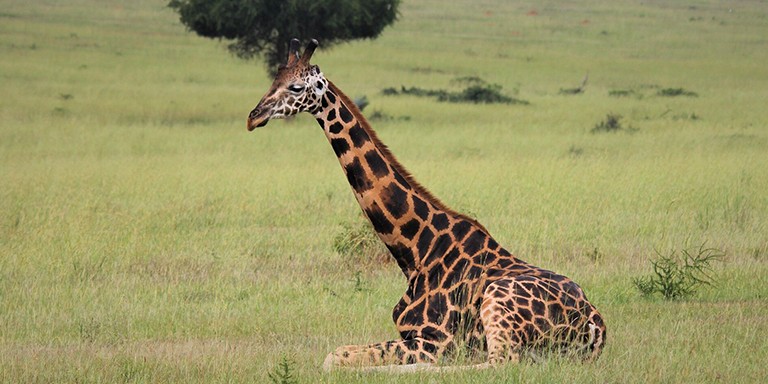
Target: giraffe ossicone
[{"x": 464, "y": 291}]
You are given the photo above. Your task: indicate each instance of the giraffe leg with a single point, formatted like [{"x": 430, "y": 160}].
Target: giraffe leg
[
  {"x": 529, "y": 314},
  {"x": 396, "y": 352},
  {"x": 503, "y": 345}
]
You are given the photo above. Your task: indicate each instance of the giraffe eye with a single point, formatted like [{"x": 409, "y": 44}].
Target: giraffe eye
[{"x": 296, "y": 88}]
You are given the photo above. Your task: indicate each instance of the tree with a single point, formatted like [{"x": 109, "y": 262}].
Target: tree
[{"x": 264, "y": 27}]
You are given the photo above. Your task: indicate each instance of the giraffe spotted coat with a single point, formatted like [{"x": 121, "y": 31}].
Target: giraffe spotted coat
[{"x": 464, "y": 290}]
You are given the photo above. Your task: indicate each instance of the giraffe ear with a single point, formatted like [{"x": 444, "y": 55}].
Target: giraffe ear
[
  {"x": 293, "y": 53},
  {"x": 309, "y": 51}
]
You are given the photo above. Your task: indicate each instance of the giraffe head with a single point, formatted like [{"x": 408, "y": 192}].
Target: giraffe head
[{"x": 298, "y": 87}]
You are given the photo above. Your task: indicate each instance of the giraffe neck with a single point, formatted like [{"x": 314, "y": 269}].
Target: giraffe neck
[{"x": 406, "y": 216}]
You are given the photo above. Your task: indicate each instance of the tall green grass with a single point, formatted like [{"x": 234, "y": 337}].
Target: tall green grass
[{"x": 145, "y": 236}]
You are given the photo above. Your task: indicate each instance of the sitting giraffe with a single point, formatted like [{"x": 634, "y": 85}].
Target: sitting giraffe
[{"x": 464, "y": 290}]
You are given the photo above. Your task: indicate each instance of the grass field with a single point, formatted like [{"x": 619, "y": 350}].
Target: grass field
[{"x": 145, "y": 236}]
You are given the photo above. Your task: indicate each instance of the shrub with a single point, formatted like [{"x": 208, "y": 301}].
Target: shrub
[
  {"x": 283, "y": 373},
  {"x": 476, "y": 90},
  {"x": 673, "y": 92},
  {"x": 378, "y": 115},
  {"x": 624, "y": 93},
  {"x": 468, "y": 80},
  {"x": 361, "y": 244},
  {"x": 677, "y": 277},
  {"x": 612, "y": 123},
  {"x": 485, "y": 94}
]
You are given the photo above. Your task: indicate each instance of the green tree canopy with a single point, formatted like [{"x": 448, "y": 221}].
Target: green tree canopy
[{"x": 264, "y": 27}]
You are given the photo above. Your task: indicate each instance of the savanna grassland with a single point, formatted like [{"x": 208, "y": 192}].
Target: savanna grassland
[{"x": 145, "y": 236}]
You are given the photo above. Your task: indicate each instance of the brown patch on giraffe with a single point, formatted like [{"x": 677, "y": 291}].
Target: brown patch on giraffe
[
  {"x": 358, "y": 135},
  {"x": 395, "y": 200},
  {"x": 380, "y": 222},
  {"x": 357, "y": 177},
  {"x": 340, "y": 146},
  {"x": 376, "y": 163}
]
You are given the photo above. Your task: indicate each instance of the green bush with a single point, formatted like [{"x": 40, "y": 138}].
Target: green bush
[
  {"x": 485, "y": 94},
  {"x": 283, "y": 373},
  {"x": 679, "y": 276},
  {"x": 624, "y": 93},
  {"x": 476, "y": 90},
  {"x": 612, "y": 123},
  {"x": 360, "y": 244},
  {"x": 672, "y": 92}
]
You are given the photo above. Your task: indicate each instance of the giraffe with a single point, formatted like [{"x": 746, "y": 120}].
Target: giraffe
[{"x": 465, "y": 292}]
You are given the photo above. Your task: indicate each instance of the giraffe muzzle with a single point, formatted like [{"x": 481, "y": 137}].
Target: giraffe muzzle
[{"x": 257, "y": 119}]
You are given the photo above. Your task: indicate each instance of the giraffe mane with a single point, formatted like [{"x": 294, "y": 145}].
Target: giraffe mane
[{"x": 420, "y": 189}]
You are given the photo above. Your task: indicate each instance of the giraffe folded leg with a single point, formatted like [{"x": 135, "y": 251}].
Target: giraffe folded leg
[
  {"x": 528, "y": 314},
  {"x": 396, "y": 352},
  {"x": 502, "y": 343}
]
